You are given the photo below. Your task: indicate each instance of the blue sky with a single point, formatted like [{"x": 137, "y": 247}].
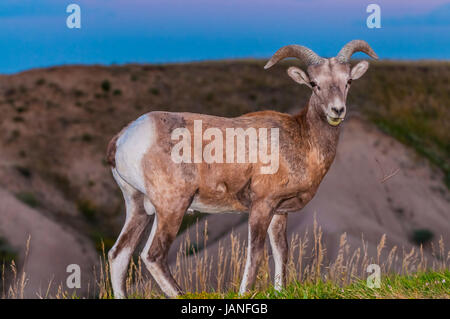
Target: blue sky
[{"x": 34, "y": 33}]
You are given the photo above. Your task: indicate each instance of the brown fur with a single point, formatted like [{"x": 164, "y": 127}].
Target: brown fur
[
  {"x": 138, "y": 222},
  {"x": 235, "y": 185}
]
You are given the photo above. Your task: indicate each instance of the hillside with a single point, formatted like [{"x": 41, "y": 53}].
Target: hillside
[{"x": 56, "y": 123}]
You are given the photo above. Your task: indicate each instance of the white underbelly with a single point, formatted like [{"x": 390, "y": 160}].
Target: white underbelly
[{"x": 208, "y": 208}]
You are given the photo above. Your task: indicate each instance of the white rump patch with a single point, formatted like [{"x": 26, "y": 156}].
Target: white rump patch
[{"x": 131, "y": 146}]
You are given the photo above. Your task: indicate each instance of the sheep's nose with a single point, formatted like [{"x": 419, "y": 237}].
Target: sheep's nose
[{"x": 337, "y": 110}]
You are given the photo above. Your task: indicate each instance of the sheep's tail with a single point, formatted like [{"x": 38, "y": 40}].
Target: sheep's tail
[{"x": 111, "y": 151}]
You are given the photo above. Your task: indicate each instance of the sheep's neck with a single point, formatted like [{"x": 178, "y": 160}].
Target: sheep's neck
[{"x": 317, "y": 133}]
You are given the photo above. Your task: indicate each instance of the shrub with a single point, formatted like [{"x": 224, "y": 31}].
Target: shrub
[
  {"x": 422, "y": 236},
  {"x": 102, "y": 242},
  {"x": 15, "y": 134},
  {"x": 154, "y": 91},
  {"x": 40, "y": 81},
  {"x": 78, "y": 93},
  {"x": 106, "y": 85},
  {"x": 24, "y": 171},
  {"x": 7, "y": 253},
  {"x": 21, "y": 109},
  {"x": 28, "y": 198},
  {"x": 87, "y": 209},
  {"x": 209, "y": 97},
  {"x": 86, "y": 137}
]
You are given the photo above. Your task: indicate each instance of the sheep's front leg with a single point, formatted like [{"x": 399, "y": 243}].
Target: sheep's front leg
[{"x": 258, "y": 222}]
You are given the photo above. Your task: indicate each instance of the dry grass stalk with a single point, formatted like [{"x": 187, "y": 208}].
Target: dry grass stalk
[{"x": 197, "y": 271}]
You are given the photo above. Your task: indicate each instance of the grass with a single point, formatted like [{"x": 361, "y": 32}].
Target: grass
[
  {"x": 311, "y": 274},
  {"x": 422, "y": 285}
]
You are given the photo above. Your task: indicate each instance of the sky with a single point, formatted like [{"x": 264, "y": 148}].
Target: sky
[{"x": 33, "y": 33}]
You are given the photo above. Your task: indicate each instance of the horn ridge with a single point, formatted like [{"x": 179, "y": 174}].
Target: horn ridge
[
  {"x": 355, "y": 46},
  {"x": 294, "y": 51}
]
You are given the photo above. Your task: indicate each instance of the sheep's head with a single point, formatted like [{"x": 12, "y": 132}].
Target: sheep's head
[{"x": 329, "y": 79}]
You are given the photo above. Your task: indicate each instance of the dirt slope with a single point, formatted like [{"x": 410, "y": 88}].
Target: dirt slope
[{"x": 52, "y": 247}]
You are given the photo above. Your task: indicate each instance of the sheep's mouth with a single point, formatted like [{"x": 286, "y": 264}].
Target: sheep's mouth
[{"x": 334, "y": 121}]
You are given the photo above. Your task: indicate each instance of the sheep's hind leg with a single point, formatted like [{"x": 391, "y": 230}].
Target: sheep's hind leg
[
  {"x": 136, "y": 221},
  {"x": 164, "y": 230}
]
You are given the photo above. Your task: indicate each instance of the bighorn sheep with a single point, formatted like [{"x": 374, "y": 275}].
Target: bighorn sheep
[{"x": 152, "y": 182}]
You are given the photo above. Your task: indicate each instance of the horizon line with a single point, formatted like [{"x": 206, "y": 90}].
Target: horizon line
[{"x": 199, "y": 61}]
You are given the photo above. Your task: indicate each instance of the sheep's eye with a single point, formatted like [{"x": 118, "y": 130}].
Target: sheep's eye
[
  {"x": 314, "y": 84},
  {"x": 349, "y": 81}
]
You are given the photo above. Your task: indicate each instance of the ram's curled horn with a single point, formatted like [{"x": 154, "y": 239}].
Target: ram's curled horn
[
  {"x": 353, "y": 47},
  {"x": 295, "y": 51}
]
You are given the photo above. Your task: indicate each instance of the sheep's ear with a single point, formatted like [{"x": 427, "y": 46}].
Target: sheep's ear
[
  {"x": 358, "y": 70},
  {"x": 298, "y": 76}
]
